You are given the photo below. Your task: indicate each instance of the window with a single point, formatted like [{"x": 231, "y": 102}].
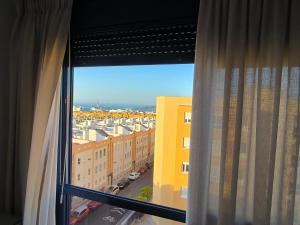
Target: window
[
  {"x": 187, "y": 117},
  {"x": 186, "y": 142},
  {"x": 131, "y": 117},
  {"x": 183, "y": 192},
  {"x": 78, "y": 177},
  {"x": 185, "y": 167},
  {"x": 123, "y": 113}
]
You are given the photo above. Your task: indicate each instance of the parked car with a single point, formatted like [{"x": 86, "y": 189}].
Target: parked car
[
  {"x": 148, "y": 165},
  {"x": 113, "y": 189},
  {"x": 123, "y": 183},
  {"x": 134, "y": 175},
  {"x": 142, "y": 170},
  {"x": 79, "y": 214},
  {"x": 93, "y": 204}
]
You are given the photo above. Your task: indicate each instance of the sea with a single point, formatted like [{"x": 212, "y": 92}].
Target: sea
[{"x": 86, "y": 107}]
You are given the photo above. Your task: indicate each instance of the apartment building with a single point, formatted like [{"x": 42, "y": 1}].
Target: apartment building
[
  {"x": 142, "y": 148},
  {"x": 98, "y": 164},
  {"x": 171, "y": 154},
  {"x": 122, "y": 156},
  {"x": 90, "y": 164}
]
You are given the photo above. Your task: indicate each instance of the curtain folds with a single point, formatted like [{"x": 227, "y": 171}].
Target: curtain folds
[
  {"x": 38, "y": 46},
  {"x": 244, "y": 166}
]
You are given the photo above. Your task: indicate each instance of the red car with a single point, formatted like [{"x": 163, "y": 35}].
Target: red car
[
  {"x": 93, "y": 205},
  {"x": 79, "y": 214},
  {"x": 142, "y": 170}
]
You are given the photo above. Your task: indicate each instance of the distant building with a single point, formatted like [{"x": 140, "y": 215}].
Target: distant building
[{"x": 76, "y": 108}]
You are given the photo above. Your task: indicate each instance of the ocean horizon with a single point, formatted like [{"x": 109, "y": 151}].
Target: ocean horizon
[{"x": 86, "y": 107}]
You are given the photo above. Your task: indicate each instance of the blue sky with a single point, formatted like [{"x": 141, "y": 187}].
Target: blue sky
[{"x": 131, "y": 85}]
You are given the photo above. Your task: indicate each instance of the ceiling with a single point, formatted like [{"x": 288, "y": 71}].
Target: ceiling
[{"x": 97, "y": 14}]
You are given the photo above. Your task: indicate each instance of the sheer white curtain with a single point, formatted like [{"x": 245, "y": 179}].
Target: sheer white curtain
[
  {"x": 244, "y": 157},
  {"x": 37, "y": 50}
]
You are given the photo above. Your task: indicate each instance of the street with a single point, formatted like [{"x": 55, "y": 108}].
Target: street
[{"x": 112, "y": 213}]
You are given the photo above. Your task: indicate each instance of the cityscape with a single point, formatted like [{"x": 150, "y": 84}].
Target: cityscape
[
  {"x": 139, "y": 151},
  {"x": 109, "y": 145}
]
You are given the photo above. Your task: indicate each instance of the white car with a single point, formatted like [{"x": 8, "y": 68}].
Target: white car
[
  {"x": 134, "y": 175},
  {"x": 113, "y": 189}
]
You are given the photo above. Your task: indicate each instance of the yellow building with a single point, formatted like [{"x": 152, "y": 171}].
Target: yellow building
[{"x": 171, "y": 154}]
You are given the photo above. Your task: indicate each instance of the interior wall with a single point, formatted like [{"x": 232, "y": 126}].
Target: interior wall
[{"x": 7, "y": 16}]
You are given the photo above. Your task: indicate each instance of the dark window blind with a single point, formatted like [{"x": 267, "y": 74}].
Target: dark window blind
[{"x": 163, "y": 44}]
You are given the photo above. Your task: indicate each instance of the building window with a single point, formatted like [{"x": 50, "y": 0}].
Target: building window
[
  {"x": 186, "y": 142},
  {"x": 185, "y": 167},
  {"x": 104, "y": 152},
  {"x": 96, "y": 169},
  {"x": 183, "y": 192},
  {"x": 78, "y": 161},
  {"x": 78, "y": 177},
  {"x": 89, "y": 171},
  {"x": 96, "y": 155},
  {"x": 100, "y": 154},
  {"x": 187, "y": 117}
]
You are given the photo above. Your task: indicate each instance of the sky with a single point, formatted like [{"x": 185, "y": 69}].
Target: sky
[{"x": 131, "y": 85}]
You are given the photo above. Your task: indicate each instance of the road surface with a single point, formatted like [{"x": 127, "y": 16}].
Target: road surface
[{"x": 97, "y": 216}]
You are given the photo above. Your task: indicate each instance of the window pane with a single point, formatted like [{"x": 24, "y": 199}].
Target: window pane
[
  {"x": 187, "y": 117},
  {"x": 186, "y": 142},
  {"x": 95, "y": 213},
  {"x": 131, "y": 131}
]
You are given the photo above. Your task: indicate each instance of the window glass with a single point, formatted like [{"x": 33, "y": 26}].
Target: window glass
[
  {"x": 185, "y": 167},
  {"x": 95, "y": 213},
  {"x": 187, "y": 117},
  {"x": 186, "y": 142},
  {"x": 130, "y": 124},
  {"x": 183, "y": 192}
]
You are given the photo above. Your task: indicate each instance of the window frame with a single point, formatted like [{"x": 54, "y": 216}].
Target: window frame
[{"x": 65, "y": 190}]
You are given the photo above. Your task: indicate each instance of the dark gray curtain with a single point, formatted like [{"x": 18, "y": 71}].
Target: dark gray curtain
[
  {"x": 244, "y": 156},
  {"x": 33, "y": 37},
  {"x": 16, "y": 114}
]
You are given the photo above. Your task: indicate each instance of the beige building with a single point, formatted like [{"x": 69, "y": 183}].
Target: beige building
[
  {"x": 90, "y": 165},
  {"x": 96, "y": 165},
  {"x": 142, "y": 148},
  {"x": 122, "y": 156}
]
